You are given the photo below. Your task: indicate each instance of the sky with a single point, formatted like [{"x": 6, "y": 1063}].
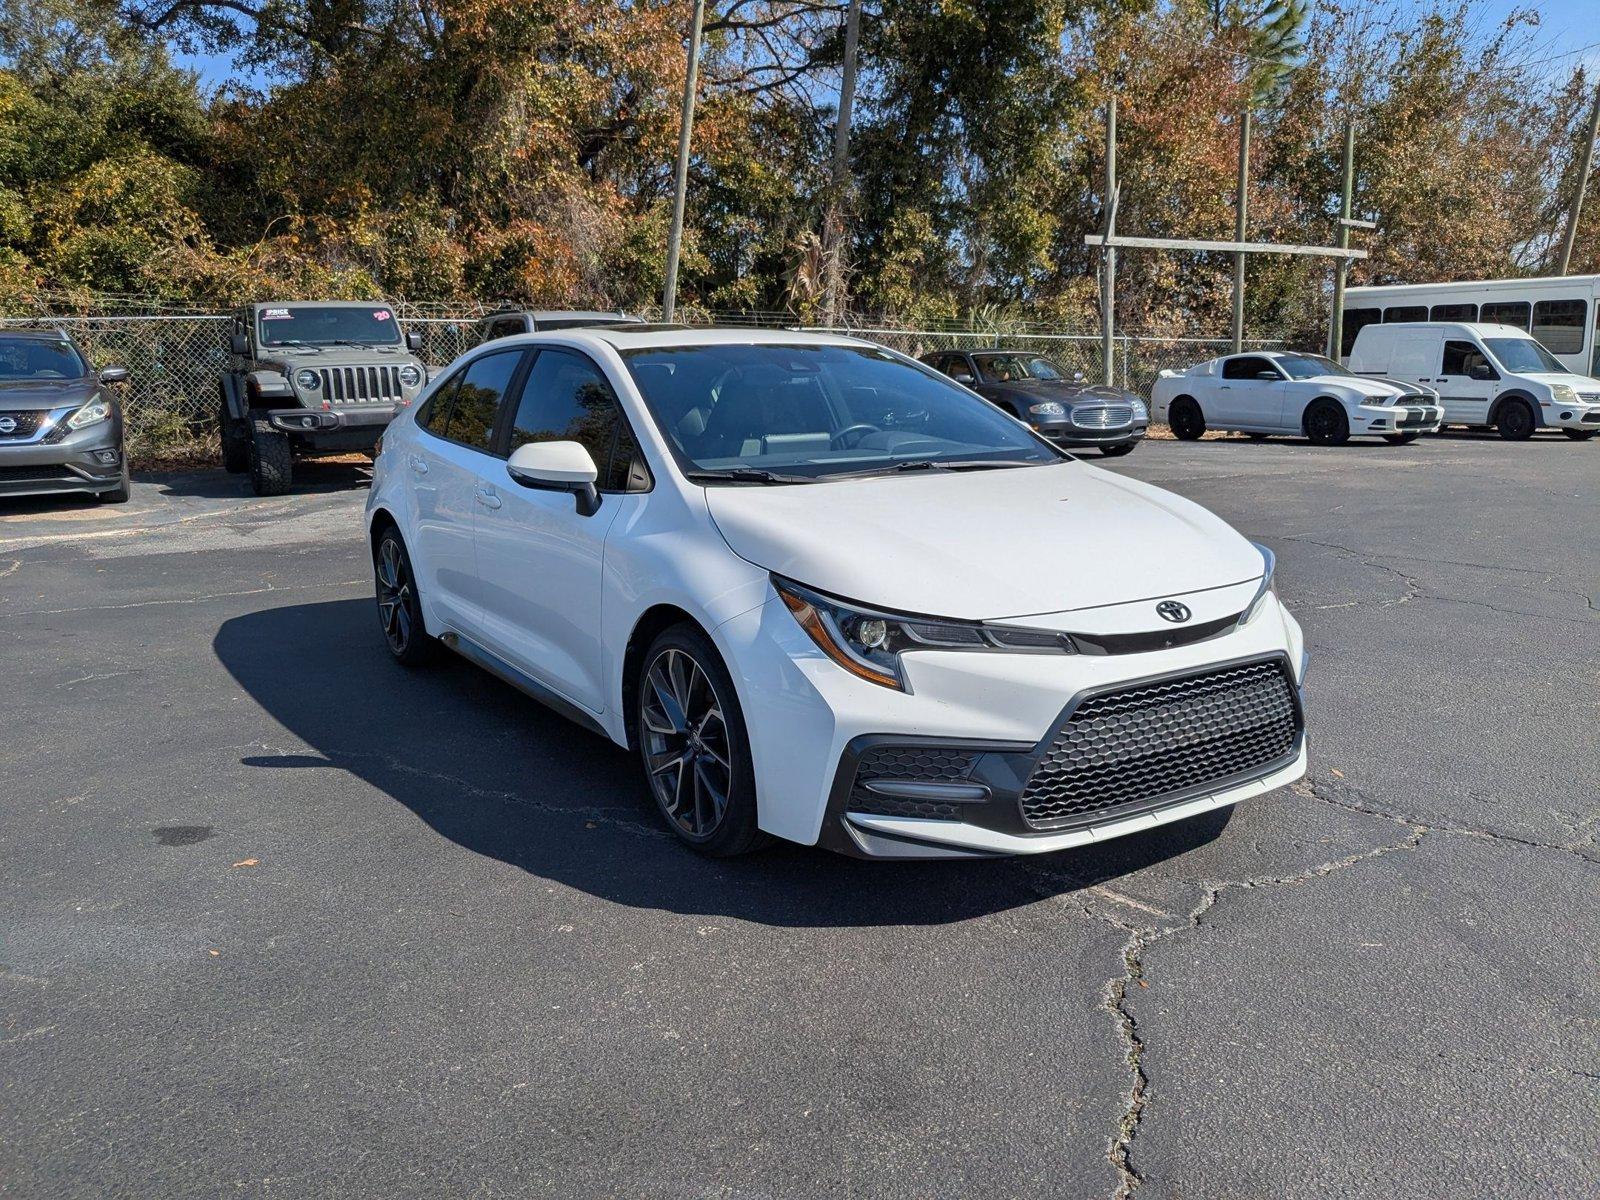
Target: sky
[{"x": 1568, "y": 32}]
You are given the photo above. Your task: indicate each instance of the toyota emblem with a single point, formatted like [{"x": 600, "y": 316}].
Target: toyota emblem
[
  {"x": 1172, "y": 610},
  {"x": 8, "y": 424}
]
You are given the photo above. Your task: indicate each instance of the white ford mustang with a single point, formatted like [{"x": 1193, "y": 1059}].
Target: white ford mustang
[
  {"x": 827, "y": 594},
  {"x": 1301, "y": 394}
]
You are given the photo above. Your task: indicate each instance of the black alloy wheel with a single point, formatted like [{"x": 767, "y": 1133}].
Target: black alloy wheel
[
  {"x": 1186, "y": 420},
  {"x": 693, "y": 744},
  {"x": 1327, "y": 425},
  {"x": 399, "y": 609}
]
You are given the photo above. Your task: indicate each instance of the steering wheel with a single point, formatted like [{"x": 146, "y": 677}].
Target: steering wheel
[{"x": 860, "y": 430}]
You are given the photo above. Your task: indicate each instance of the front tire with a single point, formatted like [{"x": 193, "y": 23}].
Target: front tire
[
  {"x": 235, "y": 437},
  {"x": 1515, "y": 421},
  {"x": 271, "y": 462},
  {"x": 1184, "y": 418},
  {"x": 693, "y": 745},
  {"x": 1118, "y": 451},
  {"x": 123, "y": 491},
  {"x": 1399, "y": 439},
  {"x": 1327, "y": 424},
  {"x": 1579, "y": 435},
  {"x": 399, "y": 603}
]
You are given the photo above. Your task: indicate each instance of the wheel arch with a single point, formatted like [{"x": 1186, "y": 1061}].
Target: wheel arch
[
  {"x": 1501, "y": 400},
  {"x": 649, "y": 625},
  {"x": 1316, "y": 400}
]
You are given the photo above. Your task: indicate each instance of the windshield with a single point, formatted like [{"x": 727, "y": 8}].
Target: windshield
[
  {"x": 1523, "y": 356},
  {"x": 328, "y": 325},
  {"x": 1309, "y": 366},
  {"x": 1009, "y": 368},
  {"x": 795, "y": 414},
  {"x": 36, "y": 358}
]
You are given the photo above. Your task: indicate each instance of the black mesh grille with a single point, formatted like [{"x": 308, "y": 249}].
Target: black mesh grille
[
  {"x": 1132, "y": 748},
  {"x": 912, "y": 764}
]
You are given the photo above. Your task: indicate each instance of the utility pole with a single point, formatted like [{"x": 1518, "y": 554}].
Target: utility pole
[
  {"x": 669, "y": 295},
  {"x": 1242, "y": 204},
  {"x": 1108, "y": 284},
  {"x": 1583, "y": 183},
  {"x": 833, "y": 225},
  {"x": 1336, "y": 322}
]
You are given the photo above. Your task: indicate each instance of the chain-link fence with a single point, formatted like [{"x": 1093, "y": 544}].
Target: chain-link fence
[{"x": 175, "y": 360}]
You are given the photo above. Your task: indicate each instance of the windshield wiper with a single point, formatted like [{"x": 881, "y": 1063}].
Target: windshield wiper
[
  {"x": 363, "y": 345},
  {"x": 933, "y": 464},
  {"x": 745, "y": 475}
]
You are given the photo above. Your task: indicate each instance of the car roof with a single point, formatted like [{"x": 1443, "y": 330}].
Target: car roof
[
  {"x": 1482, "y": 329},
  {"x": 34, "y": 333},
  {"x": 614, "y": 315},
  {"x": 652, "y": 337},
  {"x": 322, "y": 304}
]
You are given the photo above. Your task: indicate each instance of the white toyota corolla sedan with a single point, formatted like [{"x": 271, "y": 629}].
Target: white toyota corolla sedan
[{"x": 828, "y": 594}]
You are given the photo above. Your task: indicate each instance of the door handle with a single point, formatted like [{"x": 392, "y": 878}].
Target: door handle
[
  {"x": 418, "y": 465},
  {"x": 486, "y": 497}
]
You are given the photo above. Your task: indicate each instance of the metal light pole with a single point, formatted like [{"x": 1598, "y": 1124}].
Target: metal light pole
[
  {"x": 833, "y": 230},
  {"x": 1108, "y": 286},
  {"x": 1243, "y": 204},
  {"x": 1336, "y": 323},
  {"x": 669, "y": 295},
  {"x": 1583, "y": 183}
]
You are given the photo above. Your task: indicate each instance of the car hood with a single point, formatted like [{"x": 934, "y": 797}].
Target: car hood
[
  {"x": 1578, "y": 382},
  {"x": 985, "y": 545},
  {"x": 1065, "y": 391},
  {"x": 32, "y": 394},
  {"x": 298, "y": 357}
]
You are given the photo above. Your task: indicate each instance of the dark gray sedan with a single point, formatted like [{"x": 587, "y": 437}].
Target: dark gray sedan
[
  {"x": 1058, "y": 404},
  {"x": 60, "y": 422}
]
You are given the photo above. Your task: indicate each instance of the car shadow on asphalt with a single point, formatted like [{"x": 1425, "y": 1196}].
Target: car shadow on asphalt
[
  {"x": 310, "y": 475},
  {"x": 501, "y": 776}
]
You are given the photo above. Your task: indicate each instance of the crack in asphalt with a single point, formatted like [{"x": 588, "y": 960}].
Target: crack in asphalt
[{"x": 292, "y": 587}]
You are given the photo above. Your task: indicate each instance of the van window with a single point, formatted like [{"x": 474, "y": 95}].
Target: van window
[
  {"x": 1453, "y": 312},
  {"x": 1460, "y": 358},
  {"x": 1355, "y": 320},
  {"x": 1405, "y": 312},
  {"x": 1559, "y": 325},
  {"x": 1514, "y": 313}
]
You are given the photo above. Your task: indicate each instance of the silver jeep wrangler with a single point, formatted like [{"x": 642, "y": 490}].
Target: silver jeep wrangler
[{"x": 308, "y": 378}]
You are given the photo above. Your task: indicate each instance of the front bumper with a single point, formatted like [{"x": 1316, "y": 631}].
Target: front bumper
[
  {"x": 810, "y": 723},
  {"x": 1064, "y": 433},
  {"x": 1575, "y": 414},
  {"x": 88, "y": 460},
  {"x": 369, "y": 417},
  {"x": 1400, "y": 418}
]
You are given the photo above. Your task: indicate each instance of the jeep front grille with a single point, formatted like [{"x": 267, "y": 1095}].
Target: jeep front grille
[
  {"x": 1140, "y": 747},
  {"x": 360, "y": 385}
]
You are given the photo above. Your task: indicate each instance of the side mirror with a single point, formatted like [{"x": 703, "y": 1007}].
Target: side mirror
[
  {"x": 1481, "y": 371},
  {"x": 1269, "y": 376},
  {"x": 115, "y": 373},
  {"x": 1077, "y": 377},
  {"x": 239, "y": 344},
  {"x": 963, "y": 377},
  {"x": 557, "y": 467},
  {"x": 413, "y": 341}
]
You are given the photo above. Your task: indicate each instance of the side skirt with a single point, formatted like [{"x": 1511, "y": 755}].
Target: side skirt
[{"x": 522, "y": 681}]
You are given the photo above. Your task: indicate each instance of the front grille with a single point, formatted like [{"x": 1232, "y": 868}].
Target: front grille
[
  {"x": 27, "y": 425},
  {"x": 911, "y": 764},
  {"x": 39, "y": 474},
  {"x": 1592, "y": 416},
  {"x": 1413, "y": 418},
  {"x": 1138, "y": 747},
  {"x": 1105, "y": 416},
  {"x": 361, "y": 385}
]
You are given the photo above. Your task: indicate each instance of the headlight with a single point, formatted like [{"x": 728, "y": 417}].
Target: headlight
[
  {"x": 91, "y": 413},
  {"x": 1048, "y": 408},
  {"x": 1376, "y": 401},
  {"x": 868, "y": 643},
  {"x": 1560, "y": 391},
  {"x": 309, "y": 380},
  {"x": 1141, "y": 410},
  {"x": 410, "y": 376},
  {"x": 1266, "y": 589}
]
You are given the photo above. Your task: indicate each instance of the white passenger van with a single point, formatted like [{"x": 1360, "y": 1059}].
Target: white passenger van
[
  {"x": 1561, "y": 311},
  {"x": 1486, "y": 375}
]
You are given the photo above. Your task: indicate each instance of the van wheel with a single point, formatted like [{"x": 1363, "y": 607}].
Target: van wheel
[
  {"x": 1326, "y": 424},
  {"x": 1579, "y": 435},
  {"x": 1399, "y": 439},
  {"x": 271, "y": 463},
  {"x": 1515, "y": 421},
  {"x": 693, "y": 746},
  {"x": 1184, "y": 418}
]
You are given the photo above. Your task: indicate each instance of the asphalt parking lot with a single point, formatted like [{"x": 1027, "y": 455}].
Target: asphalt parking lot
[{"x": 279, "y": 918}]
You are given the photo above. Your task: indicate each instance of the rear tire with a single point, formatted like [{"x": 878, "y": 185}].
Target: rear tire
[
  {"x": 692, "y": 744},
  {"x": 1118, "y": 451},
  {"x": 400, "y": 604},
  {"x": 1579, "y": 435},
  {"x": 1515, "y": 421},
  {"x": 1184, "y": 418},
  {"x": 1327, "y": 424},
  {"x": 1400, "y": 439},
  {"x": 235, "y": 437},
  {"x": 271, "y": 463}
]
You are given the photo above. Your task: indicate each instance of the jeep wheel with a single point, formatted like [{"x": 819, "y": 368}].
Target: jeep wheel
[
  {"x": 1515, "y": 421},
  {"x": 235, "y": 437},
  {"x": 271, "y": 465}
]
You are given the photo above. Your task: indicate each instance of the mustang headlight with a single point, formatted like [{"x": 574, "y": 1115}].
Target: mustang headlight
[
  {"x": 309, "y": 380},
  {"x": 1048, "y": 408},
  {"x": 91, "y": 413},
  {"x": 1561, "y": 391},
  {"x": 869, "y": 643},
  {"x": 410, "y": 376},
  {"x": 1267, "y": 587}
]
